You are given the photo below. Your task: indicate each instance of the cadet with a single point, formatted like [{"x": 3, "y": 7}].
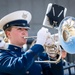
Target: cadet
[{"x": 13, "y": 60}]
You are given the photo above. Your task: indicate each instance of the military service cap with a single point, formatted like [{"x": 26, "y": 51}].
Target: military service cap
[{"x": 19, "y": 18}]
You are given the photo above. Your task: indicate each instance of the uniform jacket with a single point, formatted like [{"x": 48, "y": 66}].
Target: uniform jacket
[{"x": 14, "y": 61}]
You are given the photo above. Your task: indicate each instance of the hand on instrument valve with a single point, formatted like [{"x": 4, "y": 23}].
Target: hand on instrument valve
[{"x": 42, "y": 36}]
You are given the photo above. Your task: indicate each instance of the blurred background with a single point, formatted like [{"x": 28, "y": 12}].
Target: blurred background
[{"x": 38, "y": 10}]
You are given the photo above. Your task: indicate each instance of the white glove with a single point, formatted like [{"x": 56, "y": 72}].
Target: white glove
[
  {"x": 49, "y": 40},
  {"x": 42, "y": 36}
]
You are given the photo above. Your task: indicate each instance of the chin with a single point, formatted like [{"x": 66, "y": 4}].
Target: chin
[{"x": 24, "y": 42}]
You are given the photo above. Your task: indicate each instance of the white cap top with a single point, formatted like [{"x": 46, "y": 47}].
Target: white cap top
[{"x": 21, "y": 16}]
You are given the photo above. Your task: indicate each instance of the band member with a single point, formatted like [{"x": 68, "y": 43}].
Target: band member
[{"x": 15, "y": 61}]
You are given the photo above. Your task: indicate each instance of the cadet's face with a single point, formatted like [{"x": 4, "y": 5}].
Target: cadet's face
[{"x": 16, "y": 36}]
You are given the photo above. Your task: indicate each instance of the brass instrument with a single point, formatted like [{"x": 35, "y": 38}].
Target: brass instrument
[
  {"x": 52, "y": 49},
  {"x": 67, "y": 34},
  {"x": 30, "y": 37}
]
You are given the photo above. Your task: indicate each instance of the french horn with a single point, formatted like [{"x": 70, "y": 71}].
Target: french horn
[{"x": 67, "y": 34}]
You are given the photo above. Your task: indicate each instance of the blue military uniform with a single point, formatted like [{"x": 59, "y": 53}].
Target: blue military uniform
[{"x": 14, "y": 61}]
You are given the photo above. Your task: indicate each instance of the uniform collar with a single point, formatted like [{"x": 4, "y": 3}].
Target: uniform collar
[{"x": 13, "y": 47}]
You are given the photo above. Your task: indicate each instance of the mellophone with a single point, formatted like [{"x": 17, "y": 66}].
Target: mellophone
[{"x": 52, "y": 49}]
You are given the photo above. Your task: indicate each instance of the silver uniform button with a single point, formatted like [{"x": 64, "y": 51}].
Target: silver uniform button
[
  {"x": 41, "y": 72},
  {"x": 27, "y": 72}
]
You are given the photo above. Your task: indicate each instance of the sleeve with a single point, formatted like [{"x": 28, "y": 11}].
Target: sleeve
[{"x": 18, "y": 65}]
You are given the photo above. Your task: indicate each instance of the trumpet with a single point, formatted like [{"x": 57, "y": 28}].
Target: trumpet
[{"x": 52, "y": 49}]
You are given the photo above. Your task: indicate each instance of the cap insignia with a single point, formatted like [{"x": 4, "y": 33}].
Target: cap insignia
[{"x": 24, "y": 15}]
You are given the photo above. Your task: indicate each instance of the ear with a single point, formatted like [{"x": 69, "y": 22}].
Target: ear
[{"x": 7, "y": 33}]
